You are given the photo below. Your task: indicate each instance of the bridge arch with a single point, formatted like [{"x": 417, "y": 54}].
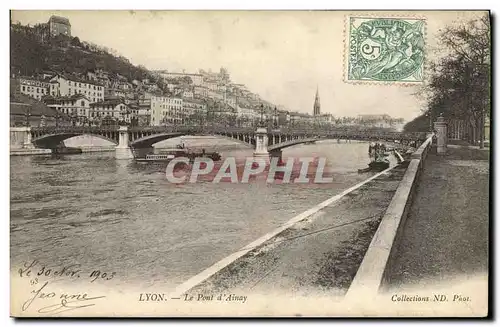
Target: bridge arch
[
  {"x": 49, "y": 141},
  {"x": 250, "y": 141},
  {"x": 149, "y": 140}
]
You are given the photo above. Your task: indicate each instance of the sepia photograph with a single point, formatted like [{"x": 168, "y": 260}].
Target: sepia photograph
[{"x": 249, "y": 163}]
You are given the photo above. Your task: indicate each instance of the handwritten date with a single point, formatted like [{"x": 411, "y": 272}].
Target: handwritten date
[{"x": 35, "y": 269}]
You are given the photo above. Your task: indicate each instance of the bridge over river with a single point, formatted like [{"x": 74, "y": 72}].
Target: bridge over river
[{"x": 264, "y": 141}]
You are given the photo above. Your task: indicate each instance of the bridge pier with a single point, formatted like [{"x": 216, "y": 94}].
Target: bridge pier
[
  {"x": 276, "y": 154},
  {"x": 123, "y": 149},
  {"x": 20, "y": 138},
  {"x": 261, "y": 143}
]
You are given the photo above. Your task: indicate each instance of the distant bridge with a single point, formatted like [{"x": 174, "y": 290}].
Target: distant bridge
[{"x": 262, "y": 139}]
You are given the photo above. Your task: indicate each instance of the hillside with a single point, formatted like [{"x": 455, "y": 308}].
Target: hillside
[{"x": 29, "y": 56}]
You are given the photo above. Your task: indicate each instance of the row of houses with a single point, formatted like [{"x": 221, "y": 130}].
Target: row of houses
[
  {"x": 59, "y": 85},
  {"x": 83, "y": 107}
]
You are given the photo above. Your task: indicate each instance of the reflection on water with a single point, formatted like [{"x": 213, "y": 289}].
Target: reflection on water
[{"x": 122, "y": 216}]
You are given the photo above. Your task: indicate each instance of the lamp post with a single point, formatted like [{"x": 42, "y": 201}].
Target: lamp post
[
  {"x": 28, "y": 114},
  {"x": 261, "y": 123}
]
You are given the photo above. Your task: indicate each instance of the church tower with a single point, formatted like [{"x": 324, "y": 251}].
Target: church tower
[{"x": 317, "y": 106}]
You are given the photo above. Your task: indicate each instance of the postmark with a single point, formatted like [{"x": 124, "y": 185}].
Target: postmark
[{"x": 385, "y": 50}]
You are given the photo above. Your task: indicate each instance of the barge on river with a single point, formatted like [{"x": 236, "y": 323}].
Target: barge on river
[
  {"x": 156, "y": 158},
  {"x": 175, "y": 153}
]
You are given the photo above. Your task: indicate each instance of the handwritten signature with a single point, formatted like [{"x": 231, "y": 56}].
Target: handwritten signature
[{"x": 64, "y": 301}]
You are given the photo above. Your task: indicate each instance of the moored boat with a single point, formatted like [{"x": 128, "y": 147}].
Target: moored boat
[
  {"x": 379, "y": 165},
  {"x": 378, "y": 153}
]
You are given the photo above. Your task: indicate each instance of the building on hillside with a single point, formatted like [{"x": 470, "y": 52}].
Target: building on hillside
[
  {"x": 195, "y": 111},
  {"x": 145, "y": 101},
  {"x": 247, "y": 117},
  {"x": 187, "y": 94},
  {"x": 215, "y": 95},
  {"x": 148, "y": 95},
  {"x": 59, "y": 25},
  {"x": 200, "y": 92},
  {"x": 132, "y": 115},
  {"x": 66, "y": 86},
  {"x": 102, "y": 77},
  {"x": 76, "y": 106},
  {"x": 47, "y": 74},
  {"x": 122, "y": 85},
  {"x": 114, "y": 109},
  {"x": 196, "y": 78},
  {"x": 26, "y": 111},
  {"x": 151, "y": 87},
  {"x": 221, "y": 88},
  {"x": 212, "y": 85},
  {"x": 114, "y": 93},
  {"x": 33, "y": 87},
  {"x": 166, "y": 110},
  {"x": 171, "y": 87},
  {"x": 231, "y": 100},
  {"x": 144, "y": 113},
  {"x": 130, "y": 99}
]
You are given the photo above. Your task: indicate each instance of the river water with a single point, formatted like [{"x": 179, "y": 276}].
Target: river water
[{"x": 120, "y": 216}]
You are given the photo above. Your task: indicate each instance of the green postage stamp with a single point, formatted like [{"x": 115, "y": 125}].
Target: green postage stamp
[{"x": 385, "y": 49}]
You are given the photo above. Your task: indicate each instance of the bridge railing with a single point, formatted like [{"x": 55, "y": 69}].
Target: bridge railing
[
  {"x": 72, "y": 129},
  {"x": 192, "y": 129},
  {"x": 332, "y": 132}
]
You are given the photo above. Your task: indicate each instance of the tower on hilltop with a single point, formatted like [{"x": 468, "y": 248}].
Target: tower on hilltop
[{"x": 317, "y": 106}]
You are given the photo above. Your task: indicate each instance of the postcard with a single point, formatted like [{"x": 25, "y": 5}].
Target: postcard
[{"x": 249, "y": 163}]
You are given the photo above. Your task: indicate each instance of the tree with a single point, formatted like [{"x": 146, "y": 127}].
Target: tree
[
  {"x": 419, "y": 124},
  {"x": 185, "y": 80},
  {"x": 459, "y": 85}
]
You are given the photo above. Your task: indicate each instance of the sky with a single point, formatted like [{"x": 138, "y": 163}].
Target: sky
[{"x": 281, "y": 55}]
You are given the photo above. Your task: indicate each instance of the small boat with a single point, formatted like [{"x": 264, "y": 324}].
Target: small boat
[
  {"x": 379, "y": 165},
  {"x": 156, "y": 158},
  {"x": 376, "y": 166}
]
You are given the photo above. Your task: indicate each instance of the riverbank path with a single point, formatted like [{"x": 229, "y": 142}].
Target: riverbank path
[{"x": 446, "y": 232}]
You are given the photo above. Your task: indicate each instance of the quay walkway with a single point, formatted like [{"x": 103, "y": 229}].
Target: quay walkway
[{"x": 446, "y": 232}]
